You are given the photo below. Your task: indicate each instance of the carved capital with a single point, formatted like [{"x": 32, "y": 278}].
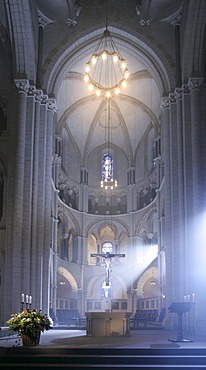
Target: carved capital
[
  {"x": 38, "y": 95},
  {"x": 194, "y": 83},
  {"x": 175, "y": 20},
  {"x": 65, "y": 236},
  {"x": 185, "y": 89},
  {"x": 57, "y": 160},
  {"x": 22, "y": 85},
  {"x": 43, "y": 20},
  {"x": 178, "y": 93},
  {"x": 52, "y": 105},
  {"x": 165, "y": 103},
  {"x": 172, "y": 98}
]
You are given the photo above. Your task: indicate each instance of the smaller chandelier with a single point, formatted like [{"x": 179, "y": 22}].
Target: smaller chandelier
[
  {"x": 106, "y": 71},
  {"x": 110, "y": 184}
]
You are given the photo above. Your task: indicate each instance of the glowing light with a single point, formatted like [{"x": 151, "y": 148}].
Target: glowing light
[
  {"x": 108, "y": 93},
  {"x": 115, "y": 58},
  {"x": 124, "y": 65},
  {"x": 86, "y": 78},
  {"x": 90, "y": 87},
  {"x": 124, "y": 84},
  {"x": 94, "y": 60},
  {"x": 126, "y": 74},
  {"x": 106, "y": 69},
  {"x": 104, "y": 55}
]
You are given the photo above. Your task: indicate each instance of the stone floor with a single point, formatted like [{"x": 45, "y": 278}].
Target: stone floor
[{"x": 139, "y": 338}]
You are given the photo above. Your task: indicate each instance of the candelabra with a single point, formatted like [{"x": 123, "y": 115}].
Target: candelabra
[{"x": 26, "y": 300}]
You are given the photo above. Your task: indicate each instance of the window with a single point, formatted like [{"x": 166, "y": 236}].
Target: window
[
  {"x": 107, "y": 247},
  {"x": 107, "y": 168}
]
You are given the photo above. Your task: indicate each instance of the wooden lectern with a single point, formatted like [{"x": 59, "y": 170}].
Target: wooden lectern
[{"x": 179, "y": 308}]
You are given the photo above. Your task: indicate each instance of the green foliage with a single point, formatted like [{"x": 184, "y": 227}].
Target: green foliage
[{"x": 30, "y": 322}]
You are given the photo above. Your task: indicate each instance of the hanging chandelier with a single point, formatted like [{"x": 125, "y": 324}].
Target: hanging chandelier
[{"x": 106, "y": 71}]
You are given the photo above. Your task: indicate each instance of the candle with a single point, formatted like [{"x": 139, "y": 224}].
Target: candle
[
  {"x": 188, "y": 297},
  {"x": 193, "y": 297},
  {"x": 185, "y": 298},
  {"x": 27, "y": 298},
  {"x": 30, "y": 299},
  {"x": 22, "y": 298}
]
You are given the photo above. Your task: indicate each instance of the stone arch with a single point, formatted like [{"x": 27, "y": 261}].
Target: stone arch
[
  {"x": 157, "y": 64},
  {"x": 69, "y": 277},
  {"x": 151, "y": 274}
]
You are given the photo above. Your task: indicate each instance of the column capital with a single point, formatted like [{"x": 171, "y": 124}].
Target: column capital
[
  {"x": 165, "y": 103},
  {"x": 22, "y": 85},
  {"x": 52, "y": 105},
  {"x": 175, "y": 18},
  {"x": 43, "y": 20},
  {"x": 172, "y": 98},
  {"x": 57, "y": 160},
  {"x": 178, "y": 93},
  {"x": 194, "y": 83}
]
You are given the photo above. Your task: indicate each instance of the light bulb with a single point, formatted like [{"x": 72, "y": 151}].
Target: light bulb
[
  {"x": 115, "y": 58},
  {"x": 90, "y": 87},
  {"x": 126, "y": 73},
  {"x": 117, "y": 90},
  {"x": 87, "y": 68},
  {"x": 104, "y": 55},
  {"x": 124, "y": 84},
  {"x": 108, "y": 94},
  {"x": 98, "y": 92},
  {"x": 94, "y": 59},
  {"x": 86, "y": 78},
  {"x": 124, "y": 65}
]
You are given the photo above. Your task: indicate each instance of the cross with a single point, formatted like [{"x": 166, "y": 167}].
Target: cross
[{"x": 107, "y": 259}]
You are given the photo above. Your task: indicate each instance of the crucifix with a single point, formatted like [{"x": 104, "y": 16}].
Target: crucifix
[{"x": 107, "y": 257}]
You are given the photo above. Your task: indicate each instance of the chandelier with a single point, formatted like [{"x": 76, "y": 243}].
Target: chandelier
[{"x": 106, "y": 71}]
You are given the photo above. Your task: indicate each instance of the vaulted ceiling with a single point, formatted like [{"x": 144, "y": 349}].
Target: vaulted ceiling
[{"x": 144, "y": 35}]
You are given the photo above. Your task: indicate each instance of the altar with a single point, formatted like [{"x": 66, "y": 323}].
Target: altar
[{"x": 107, "y": 324}]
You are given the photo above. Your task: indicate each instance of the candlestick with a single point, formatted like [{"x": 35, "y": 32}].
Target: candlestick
[{"x": 22, "y": 298}]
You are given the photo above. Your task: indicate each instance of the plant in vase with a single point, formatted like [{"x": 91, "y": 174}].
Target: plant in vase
[{"x": 29, "y": 324}]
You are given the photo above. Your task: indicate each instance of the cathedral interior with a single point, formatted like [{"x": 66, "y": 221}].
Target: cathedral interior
[{"x": 102, "y": 170}]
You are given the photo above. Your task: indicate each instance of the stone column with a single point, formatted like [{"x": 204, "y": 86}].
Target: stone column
[
  {"x": 28, "y": 192},
  {"x": 40, "y": 204},
  {"x": 167, "y": 165},
  {"x": 175, "y": 21},
  {"x": 51, "y": 109},
  {"x": 131, "y": 190},
  {"x": 83, "y": 191},
  {"x": 34, "y": 230},
  {"x": 13, "y": 263}
]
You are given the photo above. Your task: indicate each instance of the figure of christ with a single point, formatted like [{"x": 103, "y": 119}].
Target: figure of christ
[{"x": 107, "y": 257}]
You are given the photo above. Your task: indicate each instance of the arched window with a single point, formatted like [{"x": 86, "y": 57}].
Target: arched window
[
  {"x": 107, "y": 247},
  {"x": 108, "y": 180},
  {"x": 107, "y": 168}
]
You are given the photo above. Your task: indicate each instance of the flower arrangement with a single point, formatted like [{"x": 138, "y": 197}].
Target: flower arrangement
[{"x": 30, "y": 322}]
